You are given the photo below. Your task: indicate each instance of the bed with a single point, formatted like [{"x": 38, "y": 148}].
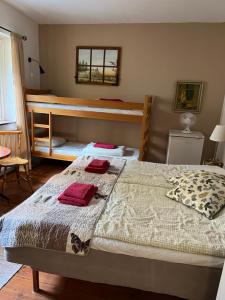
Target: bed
[
  {"x": 176, "y": 268},
  {"x": 37, "y": 102},
  {"x": 74, "y": 149}
]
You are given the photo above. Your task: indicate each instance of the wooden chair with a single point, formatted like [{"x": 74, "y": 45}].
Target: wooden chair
[{"x": 12, "y": 140}]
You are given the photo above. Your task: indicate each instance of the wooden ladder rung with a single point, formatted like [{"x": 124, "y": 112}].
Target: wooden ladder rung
[
  {"x": 41, "y": 125},
  {"x": 38, "y": 139}
]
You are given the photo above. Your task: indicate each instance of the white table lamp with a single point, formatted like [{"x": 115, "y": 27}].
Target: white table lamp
[{"x": 218, "y": 135}]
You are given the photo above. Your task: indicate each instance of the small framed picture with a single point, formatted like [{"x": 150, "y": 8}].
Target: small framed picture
[
  {"x": 188, "y": 96},
  {"x": 98, "y": 65}
]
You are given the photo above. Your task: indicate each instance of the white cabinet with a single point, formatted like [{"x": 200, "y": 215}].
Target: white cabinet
[{"x": 185, "y": 148}]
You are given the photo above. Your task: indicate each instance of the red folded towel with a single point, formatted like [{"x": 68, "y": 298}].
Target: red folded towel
[
  {"x": 95, "y": 170},
  {"x": 105, "y": 146},
  {"x": 99, "y": 163},
  {"x": 73, "y": 201},
  {"x": 98, "y": 166},
  {"x": 80, "y": 190},
  {"x": 78, "y": 194}
]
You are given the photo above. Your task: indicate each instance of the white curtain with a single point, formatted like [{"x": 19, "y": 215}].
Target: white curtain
[
  {"x": 7, "y": 100},
  {"x": 18, "y": 81}
]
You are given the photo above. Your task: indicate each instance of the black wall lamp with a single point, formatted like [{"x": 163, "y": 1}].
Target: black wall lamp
[{"x": 30, "y": 60}]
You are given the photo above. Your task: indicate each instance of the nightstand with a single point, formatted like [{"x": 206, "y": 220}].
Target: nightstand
[{"x": 185, "y": 148}]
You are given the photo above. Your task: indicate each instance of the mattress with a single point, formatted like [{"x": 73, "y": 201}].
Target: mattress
[
  {"x": 131, "y": 217},
  {"x": 86, "y": 108},
  {"x": 162, "y": 254},
  {"x": 69, "y": 148},
  {"x": 117, "y": 246},
  {"x": 76, "y": 149},
  {"x": 145, "y": 251}
]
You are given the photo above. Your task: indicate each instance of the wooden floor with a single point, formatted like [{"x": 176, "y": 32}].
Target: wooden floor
[{"x": 53, "y": 286}]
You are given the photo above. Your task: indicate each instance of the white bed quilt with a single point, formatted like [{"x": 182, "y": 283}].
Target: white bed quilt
[{"x": 138, "y": 212}]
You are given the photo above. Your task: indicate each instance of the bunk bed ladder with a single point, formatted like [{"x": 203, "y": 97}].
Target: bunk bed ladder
[{"x": 40, "y": 125}]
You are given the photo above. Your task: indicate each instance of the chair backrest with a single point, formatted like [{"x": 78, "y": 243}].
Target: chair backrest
[{"x": 11, "y": 140}]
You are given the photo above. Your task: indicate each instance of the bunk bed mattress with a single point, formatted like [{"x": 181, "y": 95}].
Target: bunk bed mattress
[
  {"x": 85, "y": 108},
  {"x": 76, "y": 149},
  {"x": 69, "y": 148}
]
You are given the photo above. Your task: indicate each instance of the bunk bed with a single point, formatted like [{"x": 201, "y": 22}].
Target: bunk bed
[{"x": 41, "y": 102}]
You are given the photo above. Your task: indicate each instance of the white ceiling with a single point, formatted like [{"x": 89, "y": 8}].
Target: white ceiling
[{"x": 121, "y": 11}]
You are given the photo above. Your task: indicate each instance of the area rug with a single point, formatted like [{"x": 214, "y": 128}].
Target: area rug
[{"x": 7, "y": 270}]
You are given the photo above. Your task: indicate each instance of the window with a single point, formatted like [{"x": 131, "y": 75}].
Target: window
[
  {"x": 98, "y": 65},
  {"x": 7, "y": 100}
]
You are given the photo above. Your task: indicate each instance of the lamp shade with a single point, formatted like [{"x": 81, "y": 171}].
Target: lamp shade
[{"x": 218, "y": 134}]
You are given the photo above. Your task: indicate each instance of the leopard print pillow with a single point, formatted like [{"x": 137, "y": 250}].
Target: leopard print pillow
[{"x": 201, "y": 190}]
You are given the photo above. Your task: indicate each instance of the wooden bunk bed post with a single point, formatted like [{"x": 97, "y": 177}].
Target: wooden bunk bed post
[
  {"x": 50, "y": 133},
  {"x": 145, "y": 129},
  {"x": 32, "y": 131}
]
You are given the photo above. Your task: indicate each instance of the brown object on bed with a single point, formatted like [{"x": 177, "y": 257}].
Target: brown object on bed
[{"x": 113, "y": 115}]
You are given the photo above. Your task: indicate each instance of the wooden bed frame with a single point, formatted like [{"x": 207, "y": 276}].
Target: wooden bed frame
[{"x": 40, "y": 96}]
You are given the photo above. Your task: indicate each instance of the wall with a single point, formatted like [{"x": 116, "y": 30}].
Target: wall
[
  {"x": 16, "y": 21},
  {"x": 221, "y": 146},
  {"x": 154, "y": 57}
]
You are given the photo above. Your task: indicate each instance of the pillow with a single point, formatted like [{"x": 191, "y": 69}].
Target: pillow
[
  {"x": 194, "y": 174},
  {"x": 56, "y": 142},
  {"x": 176, "y": 180},
  {"x": 201, "y": 190}
]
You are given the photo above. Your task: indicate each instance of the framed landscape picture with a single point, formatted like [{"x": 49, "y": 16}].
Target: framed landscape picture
[
  {"x": 188, "y": 96},
  {"x": 98, "y": 65}
]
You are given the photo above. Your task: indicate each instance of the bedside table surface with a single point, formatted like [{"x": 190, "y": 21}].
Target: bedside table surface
[{"x": 180, "y": 133}]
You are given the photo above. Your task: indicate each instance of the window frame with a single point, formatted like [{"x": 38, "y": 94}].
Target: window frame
[{"x": 104, "y": 48}]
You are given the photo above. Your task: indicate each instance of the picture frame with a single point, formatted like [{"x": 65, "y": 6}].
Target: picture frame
[
  {"x": 188, "y": 96},
  {"x": 98, "y": 65}
]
